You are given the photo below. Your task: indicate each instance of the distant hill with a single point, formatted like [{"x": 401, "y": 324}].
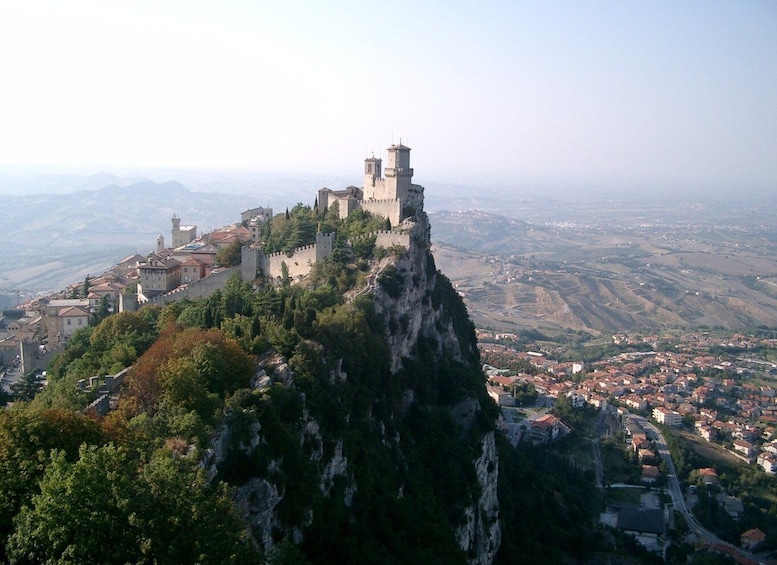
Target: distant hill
[{"x": 51, "y": 240}]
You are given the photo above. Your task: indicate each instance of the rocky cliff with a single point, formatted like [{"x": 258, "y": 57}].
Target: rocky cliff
[{"x": 373, "y": 439}]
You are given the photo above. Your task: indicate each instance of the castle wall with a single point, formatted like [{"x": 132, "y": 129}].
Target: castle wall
[
  {"x": 388, "y": 208},
  {"x": 299, "y": 264},
  {"x": 389, "y": 238},
  {"x": 380, "y": 189},
  {"x": 200, "y": 289}
]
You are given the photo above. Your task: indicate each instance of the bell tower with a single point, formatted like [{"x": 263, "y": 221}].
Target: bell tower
[{"x": 372, "y": 171}]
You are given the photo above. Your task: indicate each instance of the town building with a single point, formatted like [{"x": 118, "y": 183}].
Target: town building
[
  {"x": 182, "y": 235},
  {"x": 546, "y": 428},
  {"x": 158, "y": 276},
  {"x": 752, "y": 539},
  {"x": 71, "y": 319},
  {"x": 667, "y": 417},
  {"x": 58, "y": 330}
]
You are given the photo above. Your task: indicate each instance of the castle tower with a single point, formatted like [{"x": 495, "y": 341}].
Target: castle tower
[
  {"x": 372, "y": 171},
  {"x": 398, "y": 172},
  {"x": 182, "y": 234}
]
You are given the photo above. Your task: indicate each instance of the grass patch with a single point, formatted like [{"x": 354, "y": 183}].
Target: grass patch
[
  {"x": 629, "y": 495},
  {"x": 710, "y": 451}
]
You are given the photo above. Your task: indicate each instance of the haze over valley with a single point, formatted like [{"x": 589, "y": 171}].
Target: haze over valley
[{"x": 550, "y": 260}]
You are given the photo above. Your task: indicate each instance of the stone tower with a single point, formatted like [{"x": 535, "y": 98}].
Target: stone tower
[
  {"x": 160, "y": 243},
  {"x": 372, "y": 172},
  {"x": 398, "y": 172},
  {"x": 182, "y": 234}
]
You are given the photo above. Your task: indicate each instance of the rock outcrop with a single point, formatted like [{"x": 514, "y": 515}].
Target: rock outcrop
[{"x": 416, "y": 304}]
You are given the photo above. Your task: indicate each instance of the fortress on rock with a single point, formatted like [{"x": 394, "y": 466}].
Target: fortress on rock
[{"x": 393, "y": 197}]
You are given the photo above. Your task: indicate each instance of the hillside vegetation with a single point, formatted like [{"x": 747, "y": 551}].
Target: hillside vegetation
[{"x": 266, "y": 424}]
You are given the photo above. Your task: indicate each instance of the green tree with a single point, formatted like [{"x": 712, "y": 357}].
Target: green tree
[
  {"x": 106, "y": 508},
  {"x": 102, "y": 311},
  {"x": 86, "y": 285},
  {"x": 27, "y": 387},
  {"x": 231, "y": 255},
  {"x": 26, "y": 438}
]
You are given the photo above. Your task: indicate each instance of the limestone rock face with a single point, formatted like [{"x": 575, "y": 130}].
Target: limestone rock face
[
  {"x": 407, "y": 301},
  {"x": 481, "y": 534},
  {"x": 408, "y": 305},
  {"x": 414, "y": 301}
]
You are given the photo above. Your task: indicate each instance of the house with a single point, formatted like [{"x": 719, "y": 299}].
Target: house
[
  {"x": 546, "y": 428},
  {"x": 709, "y": 476},
  {"x": 260, "y": 214},
  {"x": 55, "y": 325},
  {"x": 253, "y": 219},
  {"x": 667, "y": 417},
  {"x": 645, "y": 524},
  {"x": 71, "y": 319},
  {"x": 205, "y": 254},
  {"x": 744, "y": 447},
  {"x": 636, "y": 403},
  {"x": 639, "y": 441},
  {"x": 646, "y": 456},
  {"x": 768, "y": 462},
  {"x": 752, "y": 539},
  {"x": 576, "y": 399},
  {"x": 499, "y": 396},
  {"x": 650, "y": 474},
  {"x": 705, "y": 431},
  {"x": 732, "y": 505},
  {"x": 192, "y": 270},
  {"x": 111, "y": 290}
]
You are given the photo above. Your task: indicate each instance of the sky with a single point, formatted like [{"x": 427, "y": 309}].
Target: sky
[{"x": 623, "y": 93}]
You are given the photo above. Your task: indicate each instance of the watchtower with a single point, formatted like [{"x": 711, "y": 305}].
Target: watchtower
[{"x": 398, "y": 172}]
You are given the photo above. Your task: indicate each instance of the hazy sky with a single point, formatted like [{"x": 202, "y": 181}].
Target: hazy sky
[{"x": 620, "y": 92}]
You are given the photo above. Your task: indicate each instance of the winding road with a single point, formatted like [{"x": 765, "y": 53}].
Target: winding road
[{"x": 679, "y": 500}]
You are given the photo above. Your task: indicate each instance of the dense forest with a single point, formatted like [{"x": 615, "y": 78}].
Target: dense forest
[{"x": 263, "y": 385}]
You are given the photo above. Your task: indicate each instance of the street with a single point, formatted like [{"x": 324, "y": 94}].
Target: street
[{"x": 677, "y": 495}]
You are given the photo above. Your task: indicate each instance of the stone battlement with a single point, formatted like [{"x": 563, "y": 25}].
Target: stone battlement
[{"x": 294, "y": 252}]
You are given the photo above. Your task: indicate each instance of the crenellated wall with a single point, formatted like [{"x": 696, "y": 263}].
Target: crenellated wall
[
  {"x": 388, "y": 208},
  {"x": 299, "y": 264},
  {"x": 389, "y": 238},
  {"x": 199, "y": 289}
]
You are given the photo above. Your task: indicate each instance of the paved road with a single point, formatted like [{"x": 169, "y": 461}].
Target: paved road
[
  {"x": 10, "y": 376},
  {"x": 677, "y": 493}
]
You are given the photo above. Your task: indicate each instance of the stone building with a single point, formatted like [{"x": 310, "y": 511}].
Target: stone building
[
  {"x": 57, "y": 330},
  {"x": 253, "y": 220},
  {"x": 158, "y": 276},
  {"x": 394, "y": 196},
  {"x": 182, "y": 235}
]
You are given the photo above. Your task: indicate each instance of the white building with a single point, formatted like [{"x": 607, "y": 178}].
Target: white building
[{"x": 667, "y": 417}]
